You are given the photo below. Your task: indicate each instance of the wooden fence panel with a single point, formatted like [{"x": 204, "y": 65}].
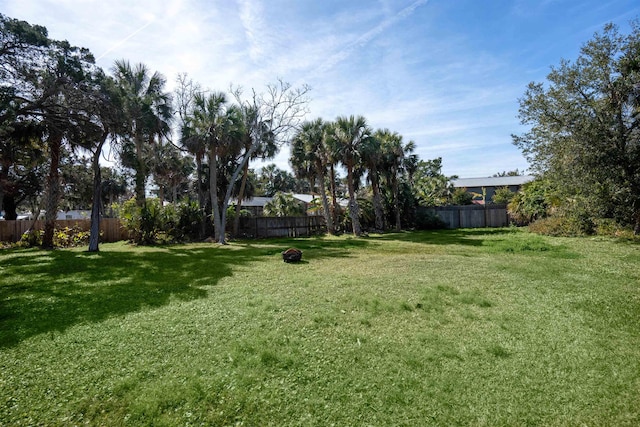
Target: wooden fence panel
[
  {"x": 472, "y": 216},
  {"x": 262, "y": 227}
]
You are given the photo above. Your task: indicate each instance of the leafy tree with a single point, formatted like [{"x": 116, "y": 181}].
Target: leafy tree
[
  {"x": 431, "y": 187},
  {"x": 171, "y": 170},
  {"x": 585, "y": 125},
  {"x": 22, "y": 47}
]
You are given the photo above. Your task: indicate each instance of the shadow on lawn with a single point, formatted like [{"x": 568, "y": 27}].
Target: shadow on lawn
[
  {"x": 43, "y": 292},
  {"x": 468, "y": 237}
]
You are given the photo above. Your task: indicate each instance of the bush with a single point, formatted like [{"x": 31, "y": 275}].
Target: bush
[
  {"x": 567, "y": 226},
  {"x": 153, "y": 223},
  {"x": 70, "y": 237},
  {"x": 502, "y": 196},
  {"x": 190, "y": 219},
  {"x": 426, "y": 220},
  {"x": 144, "y": 223},
  {"x": 461, "y": 197},
  {"x": 30, "y": 238},
  {"x": 62, "y": 238},
  {"x": 610, "y": 227}
]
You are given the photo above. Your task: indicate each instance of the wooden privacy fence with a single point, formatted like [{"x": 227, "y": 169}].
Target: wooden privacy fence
[
  {"x": 472, "y": 216},
  {"x": 11, "y": 231},
  {"x": 289, "y": 226}
]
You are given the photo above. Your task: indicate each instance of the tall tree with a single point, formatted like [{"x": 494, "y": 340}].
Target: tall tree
[
  {"x": 584, "y": 125},
  {"x": 372, "y": 158},
  {"x": 310, "y": 157},
  {"x": 396, "y": 159},
  {"x": 22, "y": 49},
  {"x": 272, "y": 115},
  {"x": 267, "y": 149},
  {"x": 148, "y": 112},
  {"x": 217, "y": 126},
  {"x": 348, "y": 136}
]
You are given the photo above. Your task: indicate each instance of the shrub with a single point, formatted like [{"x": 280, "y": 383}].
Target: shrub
[
  {"x": 461, "y": 197},
  {"x": 30, "y": 238},
  {"x": 144, "y": 223},
  {"x": 70, "y": 237},
  {"x": 62, "y": 238},
  {"x": 502, "y": 196},
  {"x": 426, "y": 220},
  {"x": 564, "y": 225},
  {"x": 190, "y": 219}
]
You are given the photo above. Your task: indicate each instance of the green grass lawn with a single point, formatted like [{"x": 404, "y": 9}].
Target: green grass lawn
[{"x": 459, "y": 327}]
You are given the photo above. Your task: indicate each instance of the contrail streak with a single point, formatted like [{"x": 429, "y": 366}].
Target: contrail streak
[
  {"x": 124, "y": 40},
  {"x": 370, "y": 35}
]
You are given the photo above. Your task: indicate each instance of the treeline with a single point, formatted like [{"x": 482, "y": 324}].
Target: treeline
[{"x": 59, "y": 112}]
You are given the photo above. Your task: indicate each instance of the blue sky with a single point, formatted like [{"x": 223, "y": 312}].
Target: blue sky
[{"x": 446, "y": 74}]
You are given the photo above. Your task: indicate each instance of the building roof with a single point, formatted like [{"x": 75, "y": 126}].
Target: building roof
[
  {"x": 494, "y": 181},
  {"x": 258, "y": 201}
]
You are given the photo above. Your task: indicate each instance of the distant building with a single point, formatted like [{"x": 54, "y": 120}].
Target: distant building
[
  {"x": 491, "y": 184},
  {"x": 255, "y": 205}
]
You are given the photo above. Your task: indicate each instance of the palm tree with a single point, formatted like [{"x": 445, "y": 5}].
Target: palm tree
[
  {"x": 310, "y": 157},
  {"x": 372, "y": 158},
  {"x": 148, "y": 110},
  {"x": 219, "y": 129},
  {"x": 266, "y": 149},
  {"x": 395, "y": 157},
  {"x": 348, "y": 136}
]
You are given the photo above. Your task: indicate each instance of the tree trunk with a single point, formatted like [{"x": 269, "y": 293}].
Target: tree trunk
[
  {"x": 53, "y": 190},
  {"x": 9, "y": 204},
  {"x": 354, "y": 210},
  {"x": 396, "y": 199},
  {"x": 202, "y": 204},
  {"x": 140, "y": 173},
  {"x": 94, "y": 234},
  {"x": 325, "y": 204},
  {"x": 334, "y": 198},
  {"x": 377, "y": 200},
  {"x": 236, "y": 220},
  {"x": 213, "y": 190}
]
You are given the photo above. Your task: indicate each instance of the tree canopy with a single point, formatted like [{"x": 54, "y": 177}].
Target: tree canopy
[{"x": 584, "y": 126}]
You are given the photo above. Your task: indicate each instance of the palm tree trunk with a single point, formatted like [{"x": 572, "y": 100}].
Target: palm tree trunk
[
  {"x": 201, "y": 196},
  {"x": 243, "y": 184},
  {"x": 377, "y": 200},
  {"x": 94, "y": 233},
  {"x": 213, "y": 191},
  {"x": 396, "y": 200},
  {"x": 354, "y": 210},
  {"x": 325, "y": 204},
  {"x": 140, "y": 173},
  {"x": 334, "y": 199}
]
